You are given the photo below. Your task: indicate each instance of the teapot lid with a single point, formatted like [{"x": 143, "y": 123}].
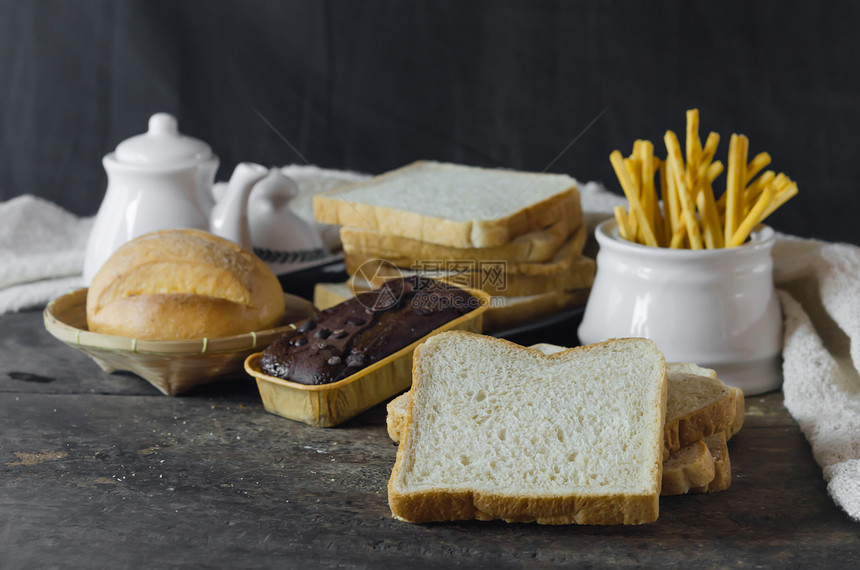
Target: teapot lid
[{"x": 162, "y": 144}]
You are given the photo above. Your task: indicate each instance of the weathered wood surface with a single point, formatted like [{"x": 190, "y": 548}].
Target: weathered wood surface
[{"x": 100, "y": 470}]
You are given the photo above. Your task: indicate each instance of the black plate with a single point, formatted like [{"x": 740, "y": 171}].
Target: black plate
[{"x": 302, "y": 282}]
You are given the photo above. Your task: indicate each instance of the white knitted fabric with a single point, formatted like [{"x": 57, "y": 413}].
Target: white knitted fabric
[
  {"x": 820, "y": 294},
  {"x": 42, "y": 248}
]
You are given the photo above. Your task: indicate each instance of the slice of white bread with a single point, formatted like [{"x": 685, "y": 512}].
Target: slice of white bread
[
  {"x": 722, "y": 465},
  {"x": 573, "y": 437},
  {"x": 579, "y": 275},
  {"x": 503, "y": 313},
  {"x": 538, "y": 246},
  {"x": 698, "y": 406},
  {"x": 491, "y": 278},
  {"x": 330, "y": 294},
  {"x": 699, "y": 402},
  {"x": 565, "y": 259},
  {"x": 702, "y": 466},
  {"x": 689, "y": 467},
  {"x": 738, "y": 420},
  {"x": 450, "y": 204}
]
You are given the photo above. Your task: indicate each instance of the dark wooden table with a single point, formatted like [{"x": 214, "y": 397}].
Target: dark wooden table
[{"x": 100, "y": 470}]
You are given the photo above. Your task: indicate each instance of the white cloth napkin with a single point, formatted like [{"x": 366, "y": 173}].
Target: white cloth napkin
[
  {"x": 41, "y": 252},
  {"x": 41, "y": 257}
]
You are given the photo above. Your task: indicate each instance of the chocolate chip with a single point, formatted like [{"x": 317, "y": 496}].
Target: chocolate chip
[
  {"x": 334, "y": 360},
  {"x": 355, "y": 360},
  {"x": 299, "y": 341},
  {"x": 320, "y": 345},
  {"x": 322, "y": 333},
  {"x": 339, "y": 334},
  {"x": 355, "y": 321},
  {"x": 307, "y": 326}
]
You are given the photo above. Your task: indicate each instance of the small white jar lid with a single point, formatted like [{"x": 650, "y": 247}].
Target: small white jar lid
[{"x": 162, "y": 145}]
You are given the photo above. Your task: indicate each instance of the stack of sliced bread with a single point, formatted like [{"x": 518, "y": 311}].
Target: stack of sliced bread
[
  {"x": 518, "y": 236},
  {"x": 494, "y": 430}
]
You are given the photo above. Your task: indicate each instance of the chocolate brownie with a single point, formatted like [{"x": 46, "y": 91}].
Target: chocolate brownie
[{"x": 348, "y": 337}]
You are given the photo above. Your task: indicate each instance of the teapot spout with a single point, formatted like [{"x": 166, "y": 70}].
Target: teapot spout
[{"x": 230, "y": 215}]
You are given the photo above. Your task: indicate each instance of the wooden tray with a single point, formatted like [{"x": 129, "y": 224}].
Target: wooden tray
[
  {"x": 328, "y": 405},
  {"x": 171, "y": 366}
]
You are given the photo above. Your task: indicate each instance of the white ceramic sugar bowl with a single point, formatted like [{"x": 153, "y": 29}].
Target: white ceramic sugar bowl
[{"x": 716, "y": 308}]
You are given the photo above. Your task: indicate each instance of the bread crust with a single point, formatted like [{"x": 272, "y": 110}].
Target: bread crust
[
  {"x": 538, "y": 246},
  {"x": 333, "y": 208},
  {"x": 722, "y": 465},
  {"x": 715, "y": 417},
  {"x": 459, "y": 504},
  {"x": 577, "y": 274},
  {"x": 740, "y": 411},
  {"x": 568, "y": 257},
  {"x": 437, "y": 506},
  {"x": 689, "y": 467},
  {"x": 183, "y": 284}
]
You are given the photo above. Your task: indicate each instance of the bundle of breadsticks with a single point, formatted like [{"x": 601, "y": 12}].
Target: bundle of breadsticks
[{"x": 687, "y": 214}]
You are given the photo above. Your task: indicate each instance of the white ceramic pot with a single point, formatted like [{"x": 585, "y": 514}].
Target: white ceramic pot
[{"x": 715, "y": 308}]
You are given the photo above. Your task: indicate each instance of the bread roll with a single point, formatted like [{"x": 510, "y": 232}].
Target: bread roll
[{"x": 183, "y": 284}]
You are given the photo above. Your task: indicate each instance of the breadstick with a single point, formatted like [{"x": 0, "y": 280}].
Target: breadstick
[
  {"x": 629, "y": 188},
  {"x": 782, "y": 196},
  {"x": 687, "y": 207},
  {"x": 648, "y": 192},
  {"x": 621, "y": 219},
  {"x": 633, "y": 167},
  {"x": 737, "y": 167},
  {"x": 657, "y": 212},
  {"x": 753, "y": 191},
  {"x": 677, "y": 240},
  {"x": 714, "y": 170},
  {"x": 694, "y": 150},
  {"x": 674, "y": 216},
  {"x": 707, "y": 169},
  {"x": 752, "y": 218},
  {"x": 710, "y": 148},
  {"x": 710, "y": 218},
  {"x": 664, "y": 195},
  {"x": 761, "y": 160}
]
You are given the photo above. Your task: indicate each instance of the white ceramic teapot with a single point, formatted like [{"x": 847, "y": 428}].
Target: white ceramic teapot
[
  {"x": 163, "y": 180},
  {"x": 281, "y": 238}
]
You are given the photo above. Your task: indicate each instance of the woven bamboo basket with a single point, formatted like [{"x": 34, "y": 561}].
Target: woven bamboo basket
[{"x": 171, "y": 366}]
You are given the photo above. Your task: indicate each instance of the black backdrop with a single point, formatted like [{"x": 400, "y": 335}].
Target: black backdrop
[{"x": 371, "y": 85}]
